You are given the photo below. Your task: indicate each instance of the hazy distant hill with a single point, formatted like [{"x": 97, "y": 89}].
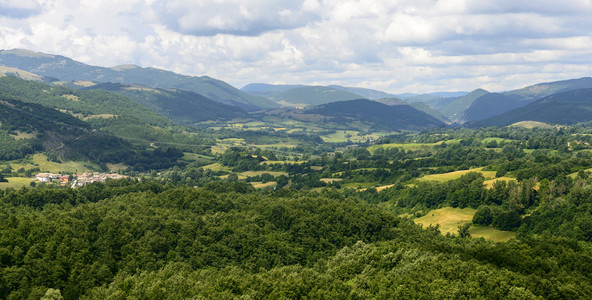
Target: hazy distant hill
[
  {"x": 180, "y": 106},
  {"x": 562, "y": 108},
  {"x": 298, "y": 94},
  {"x": 66, "y": 69},
  {"x": 364, "y": 92},
  {"x": 497, "y": 103},
  {"x": 454, "y": 109},
  {"x": 424, "y": 107},
  {"x": 395, "y": 117},
  {"x": 313, "y": 95}
]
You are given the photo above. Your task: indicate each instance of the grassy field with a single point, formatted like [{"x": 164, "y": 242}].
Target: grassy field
[
  {"x": 40, "y": 161},
  {"x": 497, "y": 139},
  {"x": 412, "y": 146},
  {"x": 259, "y": 185},
  {"x": 490, "y": 233},
  {"x": 216, "y": 167},
  {"x": 489, "y": 183},
  {"x": 15, "y": 182},
  {"x": 450, "y": 218},
  {"x": 532, "y": 124},
  {"x": 456, "y": 174},
  {"x": 258, "y": 173}
]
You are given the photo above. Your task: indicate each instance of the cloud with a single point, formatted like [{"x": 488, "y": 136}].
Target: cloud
[
  {"x": 19, "y": 8},
  {"x": 237, "y": 17},
  {"x": 393, "y": 45}
]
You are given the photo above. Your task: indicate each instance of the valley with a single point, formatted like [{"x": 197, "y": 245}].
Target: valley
[{"x": 288, "y": 191}]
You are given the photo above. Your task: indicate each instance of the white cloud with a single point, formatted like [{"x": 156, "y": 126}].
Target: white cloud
[{"x": 393, "y": 45}]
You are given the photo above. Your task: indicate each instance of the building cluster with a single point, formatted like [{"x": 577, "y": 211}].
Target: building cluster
[{"x": 76, "y": 179}]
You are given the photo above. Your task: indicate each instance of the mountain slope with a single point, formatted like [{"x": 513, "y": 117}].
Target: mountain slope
[
  {"x": 180, "y": 106},
  {"x": 381, "y": 115},
  {"x": 363, "y": 92},
  {"x": 84, "y": 104},
  {"x": 497, "y": 103},
  {"x": 313, "y": 95},
  {"x": 424, "y": 107},
  {"x": 454, "y": 109},
  {"x": 562, "y": 108},
  {"x": 66, "y": 69}
]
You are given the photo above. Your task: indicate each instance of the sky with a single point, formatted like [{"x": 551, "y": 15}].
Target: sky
[{"x": 396, "y": 46}]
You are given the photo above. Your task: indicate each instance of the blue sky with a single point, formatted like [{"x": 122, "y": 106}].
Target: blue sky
[{"x": 396, "y": 46}]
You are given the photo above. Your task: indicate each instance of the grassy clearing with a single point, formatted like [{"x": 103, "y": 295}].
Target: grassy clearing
[
  {"x": 532, "y": 124},
  {"x": 101, "y": 116},
  {"x": 489, "y": 183},
  {"x": 40, "y": 160},
  {"x": 330, "y": 180},
  {"x": 497, "y": 139},
  {"x": 258, "y": 173},
  {"x": 574, "y": 175},
  {"x": 15, "y": 182},
  {"x": 188, "y": 156},
  {"x": 490, "y": 233},
  {"x": 216, "y": 167},
  {"x": 281, "y": 162},
  {"x": 413, "y": 146},
  {"x": 259, "y": 185},
  {"x": 456, "y": 174},
  {"x": 23, "y": 135},
  {"x": 449, "y": 218}
]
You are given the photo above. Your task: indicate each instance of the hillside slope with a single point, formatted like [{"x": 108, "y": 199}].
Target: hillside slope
[
  {"x": 66, "y": 69},
  {"x": 395, "y": 117},
  {"x": 562, "y": 108},
  {"x": 497, "y": 103},
  {"x": 180, "y": 106}
]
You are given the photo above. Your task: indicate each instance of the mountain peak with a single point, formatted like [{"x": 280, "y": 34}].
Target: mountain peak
[{"x": 25, "y": 53}]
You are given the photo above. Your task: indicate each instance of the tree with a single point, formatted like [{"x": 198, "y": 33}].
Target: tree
[{"x": 463, "y": 230}]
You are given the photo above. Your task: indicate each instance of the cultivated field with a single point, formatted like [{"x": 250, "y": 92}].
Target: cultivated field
[{"x": 15, "y": 182}]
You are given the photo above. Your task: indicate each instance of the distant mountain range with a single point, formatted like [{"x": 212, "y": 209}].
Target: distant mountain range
[
  {"x": 378, "y": 115},
  {"x": 183, "y": 107},
  {"x": 561, "y": 108},
  {"x": 65, "y": 69},
  {"x": 493, "y": 104}
]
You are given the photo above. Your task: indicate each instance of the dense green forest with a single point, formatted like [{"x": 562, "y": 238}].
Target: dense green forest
[{"x": 190, "y": 231}]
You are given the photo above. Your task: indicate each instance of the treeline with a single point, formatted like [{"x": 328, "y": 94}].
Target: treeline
[{"x": 148, "y": 240}]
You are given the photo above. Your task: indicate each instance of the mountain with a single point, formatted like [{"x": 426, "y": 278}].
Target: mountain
[
  {"x": 497, "y": 103},
  {"x": 93, "y": 104},
  {"x": 363, "y": 92},
  {"x": 312, "y": 95},
  {"x": 180, "y": 106},
  {"x": 65, "y": 69},
  {"x": 562, "y": 108},
  {"x": 426, "y": 108},
  {"x": 490, "y": 105},
  {"x": 454, "y": 109},
  {"x": 267, "y": 90},
  {"x": 394, "y": 117}
]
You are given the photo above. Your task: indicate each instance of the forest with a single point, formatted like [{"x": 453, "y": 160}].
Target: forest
[{"x": 255, "y": 222}]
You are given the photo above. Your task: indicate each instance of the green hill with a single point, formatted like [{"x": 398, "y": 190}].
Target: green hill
[
  {"x": 313, "y": 95},
  {"x": 396, "y": 117},
  {"x": 93, "y": 104},
  {"x": 421, "y": 106},
  {"x": 562, "y": 108},
  {"x": 180, "y": 106},
  {"x": 66, "y": 69},
  {"x": 454, "y": 109},
  {"x": 493, "y": 104}
]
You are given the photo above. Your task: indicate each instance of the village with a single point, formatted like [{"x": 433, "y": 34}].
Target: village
[{"x": 75, "y": 179}]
